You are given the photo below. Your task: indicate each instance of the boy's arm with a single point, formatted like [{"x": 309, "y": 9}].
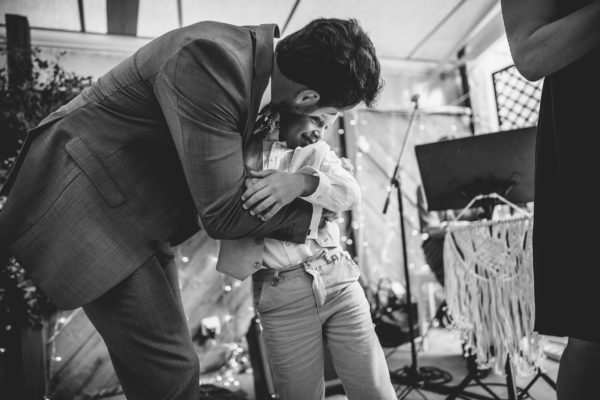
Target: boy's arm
[
  {"x": 270, "y": 189},
  {"x": 330, "y": 186},
  {"x": 337, "y": 188}
]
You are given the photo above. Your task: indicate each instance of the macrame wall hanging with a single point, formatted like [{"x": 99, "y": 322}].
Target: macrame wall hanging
[{"x": 489, "y": 290}]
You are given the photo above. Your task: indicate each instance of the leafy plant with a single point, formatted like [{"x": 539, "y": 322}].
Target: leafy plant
[
  {"x": 22, "y": 107},
  {"x": 21, "y": 302}
]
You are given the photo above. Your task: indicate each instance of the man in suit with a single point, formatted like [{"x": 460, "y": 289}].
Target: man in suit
[{"x": 102, "y": 184}]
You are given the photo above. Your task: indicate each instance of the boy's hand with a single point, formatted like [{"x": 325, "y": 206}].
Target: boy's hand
[
  {"x": 327, "y": 216},
  {"x": 347, "y": 164},
  {"x": 270, "y": 190}
]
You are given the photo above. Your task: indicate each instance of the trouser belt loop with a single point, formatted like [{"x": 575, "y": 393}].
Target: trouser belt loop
[
  {"x": 331, "y": 256},
  {"x": 275, "y": 280}
]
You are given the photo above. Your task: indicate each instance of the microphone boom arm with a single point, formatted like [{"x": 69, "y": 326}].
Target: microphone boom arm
[{"x": 394, "y": 176}]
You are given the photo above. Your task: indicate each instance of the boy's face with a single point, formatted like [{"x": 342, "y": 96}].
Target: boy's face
[{"x": 301, "y": 130}]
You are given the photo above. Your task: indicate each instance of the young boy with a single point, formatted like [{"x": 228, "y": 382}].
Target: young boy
[{"x": 307, "y": 295}]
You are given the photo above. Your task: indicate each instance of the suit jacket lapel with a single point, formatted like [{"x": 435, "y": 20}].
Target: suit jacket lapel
[
  {"x": 253, "y": 153},
  {"x": 263, "y": 64}
]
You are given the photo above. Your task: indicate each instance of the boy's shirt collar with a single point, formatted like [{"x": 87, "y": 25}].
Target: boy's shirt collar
[{"x": 273, "y": 136}]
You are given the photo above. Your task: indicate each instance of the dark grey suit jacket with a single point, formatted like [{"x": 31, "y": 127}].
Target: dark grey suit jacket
[{"x": 130, "y": 161}]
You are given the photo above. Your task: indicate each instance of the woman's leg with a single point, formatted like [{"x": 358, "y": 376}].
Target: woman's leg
[{"x": 579, "y": 371}]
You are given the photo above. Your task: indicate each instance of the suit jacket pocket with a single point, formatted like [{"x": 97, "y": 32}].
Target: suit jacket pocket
[{"x": 92, "y": 167}]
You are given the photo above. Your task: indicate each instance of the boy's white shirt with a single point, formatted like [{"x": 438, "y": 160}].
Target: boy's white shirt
[
  {"x": 242, "y": 256},
  {"x": 337, "y": 191}
]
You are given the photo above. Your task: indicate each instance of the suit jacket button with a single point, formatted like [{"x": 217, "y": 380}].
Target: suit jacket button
[
  {"x": 257, "y": 265},
  {"x": 259, "y": 240}
]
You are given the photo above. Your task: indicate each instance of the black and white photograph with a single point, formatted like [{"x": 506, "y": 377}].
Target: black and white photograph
[{"x": 299, "y": 199}]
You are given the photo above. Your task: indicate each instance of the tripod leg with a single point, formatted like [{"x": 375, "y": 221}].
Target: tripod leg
[
  {"x": 461, "y": 386},
  {"x": 525, "y": 391},
  {"x": 487, "y": 389},
  {"x": 540, "y": 374},
  {"x": 404, "y": 392},
  {"x": 548, "y": 380},
  {"x": 510, "y": 382}
]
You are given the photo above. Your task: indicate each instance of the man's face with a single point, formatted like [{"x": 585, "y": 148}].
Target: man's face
[{"x": 304, "y": 129}]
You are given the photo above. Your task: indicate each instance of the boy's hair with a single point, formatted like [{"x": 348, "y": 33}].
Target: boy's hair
[{"x": 334, "y": 57}]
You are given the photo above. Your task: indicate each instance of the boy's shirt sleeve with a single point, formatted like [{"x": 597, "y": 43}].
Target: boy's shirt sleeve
[
  {"x": 272, "y": 145},
  {"x": 338, "y": 190}
]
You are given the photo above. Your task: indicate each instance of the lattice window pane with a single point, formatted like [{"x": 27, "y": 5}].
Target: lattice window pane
[{"x": 517, "y": 99}]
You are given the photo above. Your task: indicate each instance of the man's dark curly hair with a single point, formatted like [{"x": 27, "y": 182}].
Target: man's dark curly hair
[{"x": 334, "y": 57}]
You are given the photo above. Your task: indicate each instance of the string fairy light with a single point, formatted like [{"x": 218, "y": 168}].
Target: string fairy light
[{"x": 59, "y": 326}]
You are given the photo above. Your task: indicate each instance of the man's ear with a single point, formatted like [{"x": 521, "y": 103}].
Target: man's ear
[{"x": 307, "y": 97}]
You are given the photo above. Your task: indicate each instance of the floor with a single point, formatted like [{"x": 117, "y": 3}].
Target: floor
[{"x": 442, "y": 350}]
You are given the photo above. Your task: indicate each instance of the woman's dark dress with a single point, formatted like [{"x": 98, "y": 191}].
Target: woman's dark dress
[{"x": 566, "y": 239}]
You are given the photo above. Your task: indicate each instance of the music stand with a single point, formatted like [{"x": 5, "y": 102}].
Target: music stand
[{"x": 454, "y": 172}]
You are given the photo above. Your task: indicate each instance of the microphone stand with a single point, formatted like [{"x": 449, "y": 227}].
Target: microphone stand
[{"x": 412, "y": 376}]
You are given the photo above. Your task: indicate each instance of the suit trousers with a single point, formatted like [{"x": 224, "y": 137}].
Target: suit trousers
[
  {"x": 296, "y": 327},
  {"x": 145, "y": 329}
]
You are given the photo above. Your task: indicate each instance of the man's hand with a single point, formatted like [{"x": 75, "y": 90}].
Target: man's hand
[{"x": 270, "y": 190}]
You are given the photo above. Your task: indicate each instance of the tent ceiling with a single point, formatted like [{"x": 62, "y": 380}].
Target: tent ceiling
[{"x": 407, "y": 30}]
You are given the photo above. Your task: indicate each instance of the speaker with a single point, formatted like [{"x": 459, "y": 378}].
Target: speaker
[{"x": 264, "y": 388}]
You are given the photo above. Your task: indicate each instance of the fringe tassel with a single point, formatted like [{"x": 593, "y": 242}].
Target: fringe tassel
[{"x": 489, "y": 292}]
